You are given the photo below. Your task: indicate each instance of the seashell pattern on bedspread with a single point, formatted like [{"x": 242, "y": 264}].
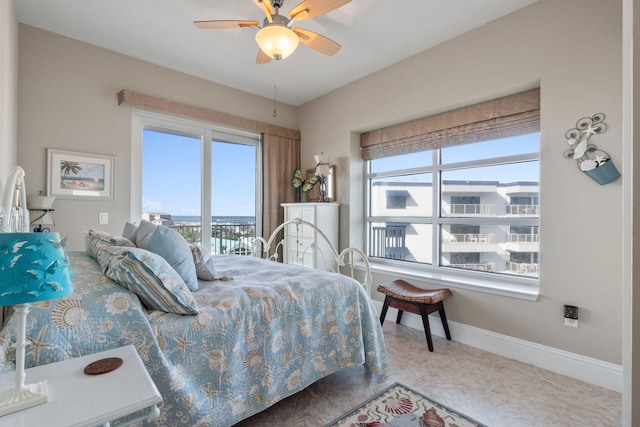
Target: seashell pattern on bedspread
[{"x": 262, "y": 336}]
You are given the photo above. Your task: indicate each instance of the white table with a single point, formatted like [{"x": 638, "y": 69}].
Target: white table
[{"x": 78, "y": 399}]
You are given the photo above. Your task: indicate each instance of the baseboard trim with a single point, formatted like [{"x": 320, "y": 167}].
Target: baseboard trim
[{"x": 593, "y": 371}]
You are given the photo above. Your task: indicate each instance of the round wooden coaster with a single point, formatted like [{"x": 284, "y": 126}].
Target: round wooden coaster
[{"x": 103, "y": 366}]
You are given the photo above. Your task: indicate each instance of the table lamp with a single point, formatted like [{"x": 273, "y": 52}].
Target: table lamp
[
  {"x": 33, "y": 267},
  {"x": 322, "y": 172},
  {"x": 44, "y": 216}
]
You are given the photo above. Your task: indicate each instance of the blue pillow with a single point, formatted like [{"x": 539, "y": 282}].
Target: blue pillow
[
  {"x": 171, "y": 246},
  {"x": 129, "y": 231},
  {"x": 203, "y": 261},
  {"x": 149, "y": 276}
]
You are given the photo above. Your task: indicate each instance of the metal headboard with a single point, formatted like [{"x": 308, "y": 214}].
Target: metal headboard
[{"x": 265, "y": 249}]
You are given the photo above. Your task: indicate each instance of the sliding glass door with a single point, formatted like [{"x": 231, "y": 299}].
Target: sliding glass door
[{"x": 183, "y": 179}]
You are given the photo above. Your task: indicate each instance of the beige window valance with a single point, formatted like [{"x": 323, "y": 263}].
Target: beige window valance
[
  {"x": 155, "y": 103},
  {"x": 507, "y": 116}
]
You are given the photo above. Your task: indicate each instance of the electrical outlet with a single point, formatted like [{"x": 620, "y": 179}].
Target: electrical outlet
[
  {"x": 103, "y": 218},
  {"x": 571, "y": 316},
  {"x": 571, "y": 322}
]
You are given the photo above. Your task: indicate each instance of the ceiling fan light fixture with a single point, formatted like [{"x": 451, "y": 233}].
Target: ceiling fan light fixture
[{"x": 277, "y": 41}]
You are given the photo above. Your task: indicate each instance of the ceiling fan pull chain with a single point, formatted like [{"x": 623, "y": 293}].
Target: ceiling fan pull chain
[{"x": 275, "y": 90}]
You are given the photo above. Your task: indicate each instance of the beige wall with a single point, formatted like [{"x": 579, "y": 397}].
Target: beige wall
[
  {"x": 67, "y": 100},
  {"x": 8, "y": 87},
  {"x": 572, "y": 49}
]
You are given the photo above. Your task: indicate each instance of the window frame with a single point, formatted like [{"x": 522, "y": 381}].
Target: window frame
[
  {"x": 500, "y": 284},
  {"x": 207, "y": 132}
]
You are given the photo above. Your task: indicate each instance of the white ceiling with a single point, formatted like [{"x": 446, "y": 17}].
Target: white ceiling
[{"x": 373, "y": 34}]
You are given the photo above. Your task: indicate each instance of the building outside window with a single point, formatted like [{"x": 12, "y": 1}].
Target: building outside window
[
  {"x": 470, "y": 207},
  {"x": 487, "y": 194}
]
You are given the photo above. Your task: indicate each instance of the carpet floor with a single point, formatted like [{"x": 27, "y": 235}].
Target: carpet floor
[{"x": 491, "y": 389}]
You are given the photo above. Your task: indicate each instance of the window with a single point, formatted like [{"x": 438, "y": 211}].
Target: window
[
  {"x": 397, "y": 199},
  {"x": 465, "y": 197},
  {"x": 192, "y": 170},
  {"x": 487, "y": 215}
]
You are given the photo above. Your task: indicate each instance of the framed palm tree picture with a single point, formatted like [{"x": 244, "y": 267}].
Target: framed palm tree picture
[{"x": 73, "y": 175}]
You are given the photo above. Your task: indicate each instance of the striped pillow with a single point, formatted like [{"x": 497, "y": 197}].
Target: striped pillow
[
  {"x": 150, "y": 277},
  {"x": 96, "y": 239}
]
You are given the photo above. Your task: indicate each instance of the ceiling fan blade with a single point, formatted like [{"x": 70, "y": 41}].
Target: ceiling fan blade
[
  {"x": 311, "y": 8},
  {"x": 262, "y": 57},
  {"x": 317, "y": 42},
  {"x": 209, "y": 25},
  {"x": 266, "y": 7}
]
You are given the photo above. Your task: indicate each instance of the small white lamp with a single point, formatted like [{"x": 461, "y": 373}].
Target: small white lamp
[
  {"x": 44, "y": 205},
  {"x": 322, "y": 172},
  {"x": 33, "y": 267}
]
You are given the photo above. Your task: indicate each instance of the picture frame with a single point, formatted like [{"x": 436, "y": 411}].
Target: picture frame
[
  {"x": 74, "y": 175},
  {"x": 314, "y": 194}
]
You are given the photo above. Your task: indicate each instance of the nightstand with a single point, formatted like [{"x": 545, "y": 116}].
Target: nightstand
[{"x": 78, "y": 399}]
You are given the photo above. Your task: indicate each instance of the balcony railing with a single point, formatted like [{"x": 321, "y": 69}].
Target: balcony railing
[
  {"x": 226, "y": 238},
  {"x": 470, "y": 238},
  {"x": 523, "y": 238},
  {"x": 478, "y": 266},
  {"x": 389, "y": 242},
  {"x": 522, "y": 268},
  {"x": 522, "y": 209},
  {"x": 470, "y": 209}
]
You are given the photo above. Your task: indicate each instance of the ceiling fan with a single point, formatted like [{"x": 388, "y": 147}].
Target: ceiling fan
[{"x": 277, "y": 38}]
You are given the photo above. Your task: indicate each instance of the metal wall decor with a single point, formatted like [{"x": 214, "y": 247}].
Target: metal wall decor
[{"x": 594, "y": 162}]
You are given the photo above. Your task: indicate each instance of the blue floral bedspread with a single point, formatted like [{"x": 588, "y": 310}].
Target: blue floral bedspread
[{"x": 265, "y": 334}]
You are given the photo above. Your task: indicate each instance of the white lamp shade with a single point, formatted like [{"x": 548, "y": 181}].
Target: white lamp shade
[
  {"x": 40, "y": 202},
  {"x": 322, "y": 169},
  {"x": 277, "y": 41},
  {"x": 322, "y": 164}
]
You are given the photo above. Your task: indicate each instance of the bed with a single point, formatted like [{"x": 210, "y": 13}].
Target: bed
[{"x": 259, "y": 333}]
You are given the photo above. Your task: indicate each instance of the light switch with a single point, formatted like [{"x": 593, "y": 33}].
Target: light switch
[{"x": 103, "y": 218}]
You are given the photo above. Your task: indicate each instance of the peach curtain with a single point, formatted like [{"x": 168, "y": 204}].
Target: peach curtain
[{"x": 281, "y": 156}]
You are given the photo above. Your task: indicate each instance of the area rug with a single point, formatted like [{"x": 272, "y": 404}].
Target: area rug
[{"x": 400, "y": 406}]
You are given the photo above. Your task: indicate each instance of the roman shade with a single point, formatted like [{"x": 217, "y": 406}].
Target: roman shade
[{"x": 499, "y": 118}]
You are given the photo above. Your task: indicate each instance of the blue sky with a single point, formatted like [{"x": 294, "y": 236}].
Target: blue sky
[
  {"x": 171, "y": 174},
  {"x": 171, "y": 171}
]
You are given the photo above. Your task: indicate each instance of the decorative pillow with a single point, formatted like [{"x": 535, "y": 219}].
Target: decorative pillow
[
  {"x": 129, "y": 231},
  {"x": 150, "y": 277},
  {"x": 203, "y": 261},
  {"x": 96, "y": 239},
  {"x": 171, "y": 246},
  {"x": 121, "y": 241}
]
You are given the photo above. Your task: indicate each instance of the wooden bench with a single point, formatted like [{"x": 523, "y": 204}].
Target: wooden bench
[{"x": 406, "y": 297}]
